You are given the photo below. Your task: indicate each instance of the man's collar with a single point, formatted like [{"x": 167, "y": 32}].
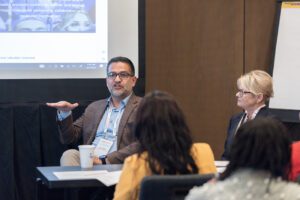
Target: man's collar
[{"x": 122, "y": 103}]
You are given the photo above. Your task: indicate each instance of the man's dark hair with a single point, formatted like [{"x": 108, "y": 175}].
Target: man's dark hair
[
  {"x": 162, "y": 132},
  {"x": 123, "y": 60},
  {"x": 260, "y": 144}
]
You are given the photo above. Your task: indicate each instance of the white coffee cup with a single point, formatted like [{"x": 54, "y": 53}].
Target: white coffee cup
[{"x": 86, "y": 155}]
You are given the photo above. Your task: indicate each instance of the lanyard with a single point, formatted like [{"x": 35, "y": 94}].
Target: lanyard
[{"x": 115, "y": 123}]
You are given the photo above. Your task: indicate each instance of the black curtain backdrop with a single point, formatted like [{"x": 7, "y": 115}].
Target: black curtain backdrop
[
  {"x": 29, "y": 138},
  {"x": 7, "y": 180}
]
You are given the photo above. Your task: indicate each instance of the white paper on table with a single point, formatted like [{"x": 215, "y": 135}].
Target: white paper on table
[
  {"x": 111, "y": 178},
  {"x": 221, "y": 163},
  {"x": 221, "y": 169},
  {"x": 105, "y": 177},
  {"x": 71, "y": 175}
]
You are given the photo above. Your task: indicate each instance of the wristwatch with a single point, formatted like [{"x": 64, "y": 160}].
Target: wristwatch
[{"x": 103, "y": 159}]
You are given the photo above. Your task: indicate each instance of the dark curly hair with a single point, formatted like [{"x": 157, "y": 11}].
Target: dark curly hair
[
  {"x": 162, "y": 132},
  {"x": 261, "y": 144}
]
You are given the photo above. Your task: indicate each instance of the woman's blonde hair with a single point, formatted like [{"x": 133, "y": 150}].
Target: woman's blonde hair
[{"x": 257, "y": 82}]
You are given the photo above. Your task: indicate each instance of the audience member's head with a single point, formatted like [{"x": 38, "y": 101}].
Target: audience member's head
[
  {"x": 163, "y": 133},
  {"x": 260, "y": 144}
]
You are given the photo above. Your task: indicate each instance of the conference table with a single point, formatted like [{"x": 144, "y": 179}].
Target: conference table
[{"x": 46, "y": 177}]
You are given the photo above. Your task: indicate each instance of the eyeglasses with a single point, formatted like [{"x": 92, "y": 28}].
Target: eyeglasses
[
  {"x": 241, "y": 93},
  {"x": 122, "y": 75}
]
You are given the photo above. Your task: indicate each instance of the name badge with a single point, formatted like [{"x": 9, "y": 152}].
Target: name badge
[{"x": 103, "y": 147}]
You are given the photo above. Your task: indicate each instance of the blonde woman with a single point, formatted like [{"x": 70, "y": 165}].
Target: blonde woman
[{"x": 254, "y": 91}]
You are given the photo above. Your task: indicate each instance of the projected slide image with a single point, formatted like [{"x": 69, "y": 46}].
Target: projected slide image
[
  {"x": 47, "y": 16},
  {"x": 65, "y": 39},
  {"x": 53, "y": 39}
]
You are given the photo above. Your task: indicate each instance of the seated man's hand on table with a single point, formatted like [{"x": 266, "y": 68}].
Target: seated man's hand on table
[{"x": 97, "y": 161}]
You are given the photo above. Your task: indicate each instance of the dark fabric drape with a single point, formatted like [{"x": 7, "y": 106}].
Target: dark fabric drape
[
  {"x": 29, "y": 138},
  {"x": 26, "y": 149},
  {"x": 7, "y": 176}
]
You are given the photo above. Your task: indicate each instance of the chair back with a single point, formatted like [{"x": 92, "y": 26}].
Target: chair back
[{"x": 173, "y": 187}]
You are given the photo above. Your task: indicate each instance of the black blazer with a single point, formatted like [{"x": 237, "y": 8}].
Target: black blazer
[{"x": 232, "y": 128}]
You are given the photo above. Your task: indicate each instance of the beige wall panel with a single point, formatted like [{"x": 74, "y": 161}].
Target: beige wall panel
[{"x": 194, "y": 50}]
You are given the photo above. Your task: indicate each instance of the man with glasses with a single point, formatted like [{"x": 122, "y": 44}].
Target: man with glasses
[
  {"x": 106, "y": 123},
  {"x": 254, "y": 91}
]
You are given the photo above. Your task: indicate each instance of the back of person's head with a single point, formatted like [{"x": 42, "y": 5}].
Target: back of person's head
[
  {"x": 260, "y": 144},
  {"x": 123, "y": 60},
  {"x": 163, "y": 133},
  {"x": 257, "y": 82}
]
